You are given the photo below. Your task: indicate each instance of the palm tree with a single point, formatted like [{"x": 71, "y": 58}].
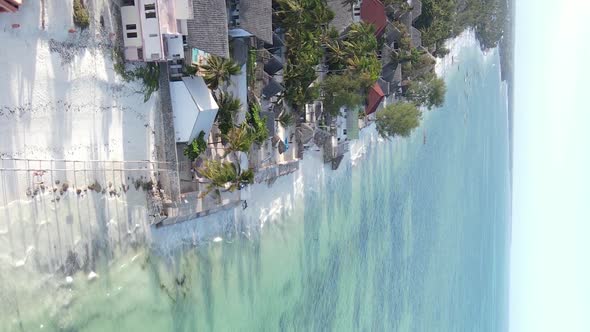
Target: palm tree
[
  {"x": 285, "y": 119},
  {"x": 224, "y": 174},
  {"x": 229, "y": 106},
  {"x": 238, "y": 139},
  {"x": 218, "y": 70},
  {"x": 360, "y": 30},
  {"x": 337, "y": 54}
]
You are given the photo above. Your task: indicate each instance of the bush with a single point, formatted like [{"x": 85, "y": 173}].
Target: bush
[
  {"x": 81, "y": 17},
  {"x": 257, "y": 124},
  {"x": 198, "y": 146},
  {"x": 149, "y": 75}
]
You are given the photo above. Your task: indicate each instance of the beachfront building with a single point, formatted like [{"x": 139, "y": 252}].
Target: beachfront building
[
  {"x": 344, "y": 14},
  {"x": 373, "y": 12},
  {"x": 194, "y": 108},
  {"x": 374, "y": 99},
  {"x": 215, "y": 21},
  {"x": 153, "y": 29}
]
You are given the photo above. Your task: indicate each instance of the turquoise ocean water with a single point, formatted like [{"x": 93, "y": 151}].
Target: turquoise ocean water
[{"x": 413, "y": 237}]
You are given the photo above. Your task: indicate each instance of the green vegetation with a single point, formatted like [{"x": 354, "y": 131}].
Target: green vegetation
[
  {"x": 196, "y": 147},
  {"x": 238, "y": 139},
  {"x": 398, "y": 4},
  {"x": 225, "y": 175},
  {"x": 339, "y": 91},
  {"x": 251, "y": 66},
  {"x": 285, "y": 119},
  {"x": 148, "y": 73},
  {"x": 355, "y": 54},
  {"x": 229, "y": 106},
  {"x": 398, "y": 120},
  {"x": 81, "y": 17},
  {"x": 444, "y": 19},
  {"x": 218, "y": 71},
  {"x": 191, "y": 70},
  {"x": 305, "y": 21},
  {"x": 428, "y": 91},
  {"x": 256, "y": 123}
]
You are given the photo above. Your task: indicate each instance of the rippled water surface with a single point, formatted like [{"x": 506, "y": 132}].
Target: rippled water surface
[{"x": 413, "y": 237}]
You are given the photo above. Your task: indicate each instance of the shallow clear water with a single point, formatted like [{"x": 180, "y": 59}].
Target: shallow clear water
[{"x": 413, "y": 237}]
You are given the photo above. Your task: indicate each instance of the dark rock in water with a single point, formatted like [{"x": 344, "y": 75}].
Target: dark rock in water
[
  {"x": 72, "y": 264},
  {"x": 78, "y": 192},
  {"x": 64, "y": 187},
  {"x": 56, "y": 182},
  {"x": 95, "y": 186}
]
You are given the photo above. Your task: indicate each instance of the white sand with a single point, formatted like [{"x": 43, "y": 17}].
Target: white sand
[{"x": 60, "y": 99}]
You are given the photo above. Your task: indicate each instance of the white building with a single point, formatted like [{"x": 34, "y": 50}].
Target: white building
[
  {"x": 193, "y": 107},
  {"x": 152, "y": 29}
]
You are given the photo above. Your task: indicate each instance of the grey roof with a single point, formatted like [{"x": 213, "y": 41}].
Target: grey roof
[
  {"x": 406, "y": 19},
  {"x": 342, "y": 14},
  {"x": 397, "y": 75},
  {"x": 416, "y": 36},
  {"x": 392, "y": 34},
  {"x": 385, "y": 86},
  {"x": 256, "y": 18},
  {"x": 387, "y": 72},
  {"x": 391, "y": 74},
  {"x": 239, "y": 50},
  {"x": 416, "y": 9},
  {"x": 386, "y": 54},
  {"x": 272, "y": 88},
  {"x": 336, "y": 162},
  {"x": 305, "y": 133},
  {"x": 270, "y": 121},
  {"x": 273, "y": 65},
  {"x": 207, "y": 31}
]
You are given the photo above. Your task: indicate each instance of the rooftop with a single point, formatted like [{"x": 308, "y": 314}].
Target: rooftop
[
  {"x": 373, "y": 11},
  {"x": 374, "y": 99},
  {"x": 342, "y": 14},
  {"x": 208, "y": 31},
  {"x": 256, "y": 18}
]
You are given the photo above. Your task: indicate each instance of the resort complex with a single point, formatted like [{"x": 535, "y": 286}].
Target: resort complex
[
  {"x": 147, "y": 113},
  {"x": 242, "y": 90}
]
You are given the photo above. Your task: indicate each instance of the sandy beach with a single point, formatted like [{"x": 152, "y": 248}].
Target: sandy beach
[{"x": 61, "y": 100}]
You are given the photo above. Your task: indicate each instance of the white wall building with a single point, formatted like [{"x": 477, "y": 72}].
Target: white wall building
[
  {"x": 193, "y": 107},
  {"x": 152, "y": 29}
]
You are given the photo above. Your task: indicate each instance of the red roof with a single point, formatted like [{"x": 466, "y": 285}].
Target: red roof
[
  {"x": 373, "y": 11},
  {"x": 374, "y": 99}
]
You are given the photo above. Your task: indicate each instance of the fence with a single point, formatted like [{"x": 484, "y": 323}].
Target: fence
[{"x": 51, "y": 210}]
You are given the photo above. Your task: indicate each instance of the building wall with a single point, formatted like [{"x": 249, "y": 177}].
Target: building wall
[
  {"x": 152, "y": 39},
  {"x": 131, "y": 26},
  {"x": 183, "y": 9}
]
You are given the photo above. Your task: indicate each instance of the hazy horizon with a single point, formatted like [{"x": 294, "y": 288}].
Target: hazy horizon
[{"x": 549, "y": 288}]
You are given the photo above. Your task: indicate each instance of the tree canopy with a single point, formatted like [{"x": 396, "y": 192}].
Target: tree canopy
[
  {"x": 224, "y": 174},
  {"x": 428, "y": 91},
  {"x": 444, "y": 19},
  {"x": 229, "y": 106},
  {"x": 398, "y": 120},
  {"x": 217, "y": 71},
  {"x": 196, "y": 147},
  {"x": 339, "y": 91}
]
